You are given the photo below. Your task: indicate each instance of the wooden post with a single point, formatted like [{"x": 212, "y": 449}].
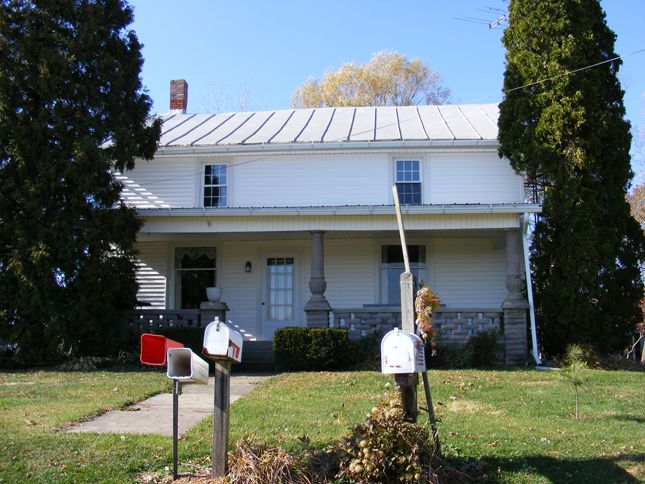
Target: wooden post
[
  {"x": 221, "y": 402},
  {"x": 406, "y": 383}
]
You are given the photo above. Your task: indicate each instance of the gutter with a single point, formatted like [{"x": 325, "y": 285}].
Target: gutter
[
  {"x": 438, "y": 209},
  {"x": 529, "y": 288},
  {"x": 174, "y": 150}
]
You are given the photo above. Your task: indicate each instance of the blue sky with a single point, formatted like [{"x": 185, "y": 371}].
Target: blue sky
[{"x": 268, "y": 49}]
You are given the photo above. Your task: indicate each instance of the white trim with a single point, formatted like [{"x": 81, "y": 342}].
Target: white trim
[
  {"x": 433, "y": 209},
  {"x": 352, "y": 146}
]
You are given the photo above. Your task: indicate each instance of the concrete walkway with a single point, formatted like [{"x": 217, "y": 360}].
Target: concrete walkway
[{"x": 154, "y": 415}]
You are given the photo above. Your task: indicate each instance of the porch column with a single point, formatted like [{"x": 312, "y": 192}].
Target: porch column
[
  {"x": 515, "y": 304},
  {"x": 317, "y": 308}
]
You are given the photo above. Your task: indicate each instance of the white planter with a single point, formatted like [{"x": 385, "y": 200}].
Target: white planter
[{"x": 214, "y": 294}]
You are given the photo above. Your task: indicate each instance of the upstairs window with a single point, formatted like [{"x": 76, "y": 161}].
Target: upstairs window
[
  {"x": 215, "y": 186},
  {"x": 408, "y": 182}
]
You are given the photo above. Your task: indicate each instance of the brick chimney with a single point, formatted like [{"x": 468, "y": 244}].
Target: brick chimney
[{"x": 178, "y": 96}]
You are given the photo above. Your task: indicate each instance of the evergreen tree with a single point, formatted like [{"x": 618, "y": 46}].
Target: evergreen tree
[
  {"x": 72, "y": 109},
  {"x": 566, "y": 130}
]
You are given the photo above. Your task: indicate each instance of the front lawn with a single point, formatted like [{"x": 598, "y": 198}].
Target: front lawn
[{"x": 520, "y": 424}]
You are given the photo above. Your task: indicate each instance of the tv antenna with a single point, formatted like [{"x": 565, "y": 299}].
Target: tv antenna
[{"x": 494, "y": 17}]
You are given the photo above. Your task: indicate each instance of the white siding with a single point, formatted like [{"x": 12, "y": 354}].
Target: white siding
[
  {"x": 152, "y": 273},
  {"x": 162, "y": 183},
  {"x": 311, "y": 180},
  {"x": 351, "y": 272},
  {"x": 469, "y": 272},
  {"x": 472, "y": 178},
  {"x": 243, "y": 292},
  {"x": 331, "y": 179}
]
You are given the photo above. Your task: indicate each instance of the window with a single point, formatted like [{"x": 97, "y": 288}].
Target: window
[
  {"x": 392, "y": 267},
  {"x": 215, "y": 186},
  {"x": 194, "y": 271},
  {"x": 408, "y": 182}
]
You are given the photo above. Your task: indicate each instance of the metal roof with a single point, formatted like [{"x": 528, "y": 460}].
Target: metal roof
[{"x": 449, "y": 122}]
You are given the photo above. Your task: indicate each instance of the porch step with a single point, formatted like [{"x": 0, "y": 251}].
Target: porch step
[{"x": 257, "y": 356}]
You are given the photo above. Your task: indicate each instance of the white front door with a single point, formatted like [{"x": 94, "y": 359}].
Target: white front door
[{"x": 279, "y": 293}]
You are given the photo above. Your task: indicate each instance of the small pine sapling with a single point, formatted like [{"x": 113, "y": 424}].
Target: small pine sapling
[{"x": 574, "y": 372}]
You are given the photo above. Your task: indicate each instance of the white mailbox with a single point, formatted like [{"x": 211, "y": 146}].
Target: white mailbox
[
  {"x": 402, "y": 352},
  {"x": 222, "y": 343},
  {"x": 185, "y": 366}
]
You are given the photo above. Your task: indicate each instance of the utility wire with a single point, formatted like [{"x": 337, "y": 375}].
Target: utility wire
[{"x": 505, "y": 91}]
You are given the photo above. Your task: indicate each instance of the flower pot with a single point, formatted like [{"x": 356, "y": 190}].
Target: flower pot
[{"x": 214, "y": 294}]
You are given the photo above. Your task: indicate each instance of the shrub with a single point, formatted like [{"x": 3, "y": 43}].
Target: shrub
[
  {"x": 385, "y": 448},
  {"x": 447, "y": 356},
  {"x": 313, "y": 349},
  {"x": 481, "y": 349}
]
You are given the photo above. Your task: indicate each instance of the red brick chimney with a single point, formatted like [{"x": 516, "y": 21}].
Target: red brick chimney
[{"x": 178, "y": 96}]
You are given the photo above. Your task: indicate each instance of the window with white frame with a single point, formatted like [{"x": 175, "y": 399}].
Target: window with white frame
[
  {"x": 392, "y": 266},
  {"x": 194, "y": 272},
  {"x": 215, "y": 188},
  {"x": 408, "y": 182}
]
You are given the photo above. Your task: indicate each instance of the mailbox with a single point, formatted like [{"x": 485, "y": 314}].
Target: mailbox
[
  {"x": 402, "y": 352},
  {"x": 154, "y": 349},
  {"x": 222, "y": 343},
  {"x": 185, "y": 366}
]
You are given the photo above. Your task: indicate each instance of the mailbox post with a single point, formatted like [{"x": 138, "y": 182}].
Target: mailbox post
[
  {"x": 183, "y": 366},
  {"x": 403, "y": 355},
  {"x": 223, "y": 345}
]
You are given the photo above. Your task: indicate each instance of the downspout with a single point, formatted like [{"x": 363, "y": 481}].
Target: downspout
[{"x": 529, "y": 287}]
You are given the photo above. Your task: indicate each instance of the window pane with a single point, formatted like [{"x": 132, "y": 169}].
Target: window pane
[
  {"x": 409, "y": 193},
  {"x": 393, "y": 254}
]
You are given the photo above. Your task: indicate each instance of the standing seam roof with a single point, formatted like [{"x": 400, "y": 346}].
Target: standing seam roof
[{"x": 333, "y": 125}]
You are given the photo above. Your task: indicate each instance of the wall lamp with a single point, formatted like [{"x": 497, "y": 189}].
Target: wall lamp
[{"x": 248, "y": 266}]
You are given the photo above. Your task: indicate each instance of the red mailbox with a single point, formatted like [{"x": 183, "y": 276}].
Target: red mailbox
[{"x": 154, "y": 349}]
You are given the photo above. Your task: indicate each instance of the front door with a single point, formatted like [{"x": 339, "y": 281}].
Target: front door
[{"x": 278, "y": 304}]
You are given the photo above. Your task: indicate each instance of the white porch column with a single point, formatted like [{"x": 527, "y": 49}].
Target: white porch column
[
  {"x": 317, "y": 308},
  {"x": 515, "y": 304}
]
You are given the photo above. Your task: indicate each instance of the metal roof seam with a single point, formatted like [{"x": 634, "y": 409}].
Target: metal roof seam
[
  {"x": 238, "y": 127},
  {"x": 351, "y": 127},
  {"x": 423, "y": 126},
  {"x": 259, "y": 128},
  {"x": 331, "y": 119},
  {"x": 216, "y": 127},
  {"x": 445, "y": 123},
  {"x": 281, "y": 127},
  {"x": 487, "y": 116},
  {"x": 191, "y": 116},
  {"x": 375, "y": 124},
  {"x": 191, "y": 129},
  {"x": 295, "y": 140},
  {"x": 461, "y": 112},
  {"x": 398, "y": 124}
]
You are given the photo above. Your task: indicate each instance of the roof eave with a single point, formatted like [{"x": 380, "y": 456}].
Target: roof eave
[
  {"x": 326, "y": 147},
  {"x": 437, "y": 209}
]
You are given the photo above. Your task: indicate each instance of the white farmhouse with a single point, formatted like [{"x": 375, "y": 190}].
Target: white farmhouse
[{"x": 291, "y": 214}]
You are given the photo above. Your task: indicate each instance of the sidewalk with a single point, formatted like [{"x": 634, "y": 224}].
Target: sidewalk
[{"x": 154, "y": 415}]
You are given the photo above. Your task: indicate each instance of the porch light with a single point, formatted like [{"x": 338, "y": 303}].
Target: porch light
[{"x": 248, "y": 266}]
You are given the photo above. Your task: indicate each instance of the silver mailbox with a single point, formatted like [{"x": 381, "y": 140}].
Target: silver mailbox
[{"x": 402, "y": 352}]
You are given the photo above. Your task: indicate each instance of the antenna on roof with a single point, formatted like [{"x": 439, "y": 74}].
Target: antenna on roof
[{"x": 500, "y": 19}]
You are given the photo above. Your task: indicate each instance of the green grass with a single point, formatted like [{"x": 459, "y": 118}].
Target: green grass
[
  {"x": 36, "y": 405},
  {"x": 519, "y": 423}
]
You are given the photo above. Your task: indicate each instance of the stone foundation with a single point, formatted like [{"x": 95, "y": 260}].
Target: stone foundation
[{"x": 453, "y": 326}]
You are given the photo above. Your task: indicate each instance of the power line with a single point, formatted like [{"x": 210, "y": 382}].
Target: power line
[{"x": 541, "y": 81}]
